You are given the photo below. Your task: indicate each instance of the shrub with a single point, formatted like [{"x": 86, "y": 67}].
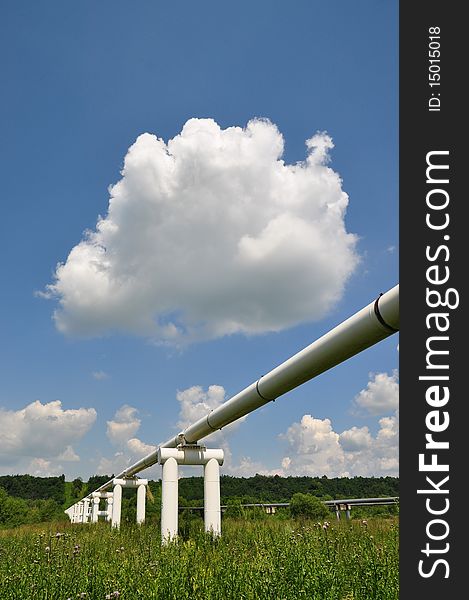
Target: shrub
[{"x": 307, "y": 506}]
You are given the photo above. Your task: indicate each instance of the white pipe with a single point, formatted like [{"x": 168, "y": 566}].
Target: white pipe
[
  {"x": 116, "y": 506},
  {"x": 212, "y": 512},
  {"x": 129, "y": 483},
  {"x": 187, "y": 455},
  {"x": 169, "y": 500},
  {"x": 365, "y": 328},
  {"x": 141, "y": 495}
]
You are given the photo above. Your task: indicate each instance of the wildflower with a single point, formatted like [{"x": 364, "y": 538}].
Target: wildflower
[{"x": 47, "y": 549}]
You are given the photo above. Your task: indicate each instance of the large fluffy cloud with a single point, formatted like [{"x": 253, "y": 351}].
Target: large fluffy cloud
[
  {"x": 315, "y": 449},
  {"x": 41, "y": 432},
  {"x": 211, "y": 234},
  {"x": 381, "y": 395}
]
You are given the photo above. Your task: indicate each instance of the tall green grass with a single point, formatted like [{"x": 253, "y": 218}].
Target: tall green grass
[{"x": 266, "y": 560}]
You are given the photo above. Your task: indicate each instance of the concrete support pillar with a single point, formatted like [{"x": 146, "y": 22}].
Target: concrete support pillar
[
  {"x": 169, "y": 501},
  {"x": 95, "y": 509},
  {"x": 337, "y": 512},
  {"x": 190, "y": 454},
  {"x": 116, "y": 506},
  {"x": 141, "y": 496},
  {"x": 347, "y": 512},
  {"x": 212, "y": 513}
]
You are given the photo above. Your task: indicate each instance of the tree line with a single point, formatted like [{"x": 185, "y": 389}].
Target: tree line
[{"x": 27, "y": 499}]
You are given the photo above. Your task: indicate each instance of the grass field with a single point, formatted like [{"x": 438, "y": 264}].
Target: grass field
[{"x": 253, "y": 560}]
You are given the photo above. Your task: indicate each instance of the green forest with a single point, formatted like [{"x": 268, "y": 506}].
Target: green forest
[{"x": 26, "y": 499}]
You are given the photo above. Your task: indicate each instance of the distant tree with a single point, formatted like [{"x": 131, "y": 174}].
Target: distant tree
[
  {"x": 96, "y": 481},
  {"x": 33, "y": 488},
  {"x": 77, "y": 487},
  {"x": 13, "y": 511},
  {"x": 307, "y": 506},
  {"x": 48, "y": 510}
]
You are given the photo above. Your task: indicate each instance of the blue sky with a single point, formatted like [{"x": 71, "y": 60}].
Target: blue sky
[{"x": 81, "y": 82}]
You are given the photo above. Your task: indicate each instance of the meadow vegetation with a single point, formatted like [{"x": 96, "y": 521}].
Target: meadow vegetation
[{"x": 255, "y": 559}]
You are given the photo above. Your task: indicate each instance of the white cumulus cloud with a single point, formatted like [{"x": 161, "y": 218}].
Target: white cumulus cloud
[
  {"x": 355, "y": 439},
  {"x": 139, "y": 448},
  {"x": 381, "y": 395},
  {"x": 209, "y": 234},
  {"x": 377, "y": 455},
  {"x": 40, "y": 467},
  {"x": 69, "y": 455},
  {"x": 123, "y": 426},
  {"x": 315, "y": 449},
  {"x": 42, "y": 432},
  {"x": 121, "y": 430}
]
